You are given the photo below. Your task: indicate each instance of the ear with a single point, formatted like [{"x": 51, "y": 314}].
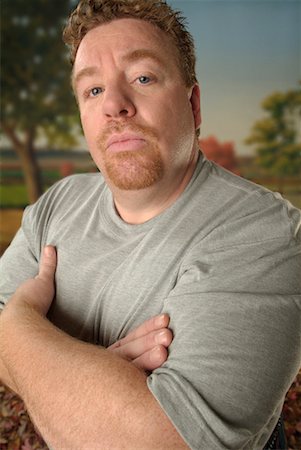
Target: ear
[{"x": 195, "y": 100}]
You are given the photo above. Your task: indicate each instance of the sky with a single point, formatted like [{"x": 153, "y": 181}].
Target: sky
[{"x": 246, "y": 50}]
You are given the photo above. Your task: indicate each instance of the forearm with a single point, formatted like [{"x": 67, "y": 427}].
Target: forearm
[
  {"x": 99, "y": 399},
  {"x": 5, "y": 377}
]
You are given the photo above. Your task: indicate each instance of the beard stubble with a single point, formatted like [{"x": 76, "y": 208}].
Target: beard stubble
[{"x": 132, "y": 170}]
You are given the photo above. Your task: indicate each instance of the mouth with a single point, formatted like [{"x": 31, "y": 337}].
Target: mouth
[{"x": 125, "y": 142}]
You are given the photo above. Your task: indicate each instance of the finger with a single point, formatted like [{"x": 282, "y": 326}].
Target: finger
[
  {"x": 152, "y": 324},
  {"x": 153, "y": 359},
  {"x": 134, "y": 349},
  {"x": 47, "y": 263}
]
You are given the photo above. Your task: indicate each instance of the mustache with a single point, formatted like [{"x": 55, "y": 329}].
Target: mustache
[{"x": 118, "y": 127}]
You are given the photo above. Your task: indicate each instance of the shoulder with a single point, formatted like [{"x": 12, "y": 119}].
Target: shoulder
[
  {"x": 79, "y": 184},
  {"x": 74, "y": 186},
  {"x": 248, "y": 238},
  {"x": 65, "y": 196},
  {"x": 244, "y": 212}
]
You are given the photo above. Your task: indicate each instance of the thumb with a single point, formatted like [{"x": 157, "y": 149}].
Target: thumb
[{"x": 48, "y": 263}]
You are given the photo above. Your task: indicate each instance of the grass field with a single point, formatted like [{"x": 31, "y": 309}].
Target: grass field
[{"x": 13, "y": 196}]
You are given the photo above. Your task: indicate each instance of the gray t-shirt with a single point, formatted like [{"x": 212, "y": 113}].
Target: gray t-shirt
[{"x": 223, "y": 261}]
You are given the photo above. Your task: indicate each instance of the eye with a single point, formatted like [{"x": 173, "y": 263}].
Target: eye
[
  {"x": 144, "y": 79},
  {"x": 95, "y": 91}
]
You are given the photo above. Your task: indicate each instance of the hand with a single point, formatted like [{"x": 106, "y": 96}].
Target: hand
[
  {"x": 39, "y": 291},
  {"x": 146, "y": 346}
]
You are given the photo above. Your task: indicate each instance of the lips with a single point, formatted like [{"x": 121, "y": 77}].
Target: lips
[{"x": 125, "y": 141}]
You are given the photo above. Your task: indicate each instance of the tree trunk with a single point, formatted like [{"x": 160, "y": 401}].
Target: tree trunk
[
  {"x": 30, "y": 167},
  {"x": 31, "y": 172}
]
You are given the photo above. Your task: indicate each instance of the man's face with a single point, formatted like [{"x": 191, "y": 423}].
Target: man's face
[{"x": 138, "y": 116}]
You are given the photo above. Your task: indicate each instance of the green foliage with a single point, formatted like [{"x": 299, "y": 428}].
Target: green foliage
[
  {"x": 277, "y": 136},
  {"x": 35, "y": 78}
]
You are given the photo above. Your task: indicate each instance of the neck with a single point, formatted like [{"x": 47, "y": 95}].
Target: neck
[{"x": 136, "y": 207}]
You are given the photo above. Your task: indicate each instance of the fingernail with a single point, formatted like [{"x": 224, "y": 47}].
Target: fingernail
[
  {"x": 47, "y": 251},
  {"x": 160, "y": 321}
]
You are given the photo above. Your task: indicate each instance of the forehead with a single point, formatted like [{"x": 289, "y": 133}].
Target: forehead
[{"x": 122, "y": 36}]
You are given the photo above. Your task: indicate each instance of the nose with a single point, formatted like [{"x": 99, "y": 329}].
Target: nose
[{"x": 117, "y": 103}]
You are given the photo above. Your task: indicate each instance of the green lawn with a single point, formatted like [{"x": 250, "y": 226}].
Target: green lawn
[{"x": 13, "y": 196}]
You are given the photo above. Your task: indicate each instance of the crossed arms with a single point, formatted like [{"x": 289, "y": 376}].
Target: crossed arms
[
  {"x": 232, "y": 358},
  {"x": 100, "y": 396}
]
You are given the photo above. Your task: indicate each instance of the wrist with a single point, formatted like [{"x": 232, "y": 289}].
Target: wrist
[
  {"x": 16, "y": 305},
  {"x": 5, "y": 325}
]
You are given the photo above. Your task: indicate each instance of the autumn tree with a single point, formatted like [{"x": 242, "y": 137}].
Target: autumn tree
[
  {"x": 223, "y": 153},
  {"x": 277, "y": 137},
  {"x": 36, "y": 98}
]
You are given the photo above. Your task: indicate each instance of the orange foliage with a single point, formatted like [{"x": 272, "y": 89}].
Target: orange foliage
[{"x": 222, "y": 153}]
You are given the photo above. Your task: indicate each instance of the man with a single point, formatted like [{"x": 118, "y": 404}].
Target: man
[{"x": 161, "y": 234}]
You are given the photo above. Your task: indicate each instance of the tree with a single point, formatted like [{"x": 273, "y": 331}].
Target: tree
[
  {"x": 277, "y": 136},
  {"x": 222, "y": 153},
  {"x": 36, "y": 97}
]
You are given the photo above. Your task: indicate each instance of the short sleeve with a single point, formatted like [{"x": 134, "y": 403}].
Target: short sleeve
[{"x": 236, "y": 317}]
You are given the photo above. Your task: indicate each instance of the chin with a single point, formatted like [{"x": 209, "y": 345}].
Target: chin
[{"x": 133, "y": 172}]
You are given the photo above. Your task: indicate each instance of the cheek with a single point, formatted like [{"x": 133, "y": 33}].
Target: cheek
[
  {"x": 181, "y": 131},
  {"x": 163, "y": 116},
  {"x": 89, "y": 127},
  {"x": 177, "y": 119},
  {"x": 91, "y": 133}
]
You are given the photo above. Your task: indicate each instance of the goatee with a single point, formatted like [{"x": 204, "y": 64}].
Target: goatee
[{"x": 132, "y": 170}]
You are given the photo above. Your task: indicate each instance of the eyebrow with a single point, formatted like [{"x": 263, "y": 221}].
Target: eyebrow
[
  {"x": 142, "y": 53},
  {"x": 85, "y": 72},
  {"x": 132, "y": 56}
]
